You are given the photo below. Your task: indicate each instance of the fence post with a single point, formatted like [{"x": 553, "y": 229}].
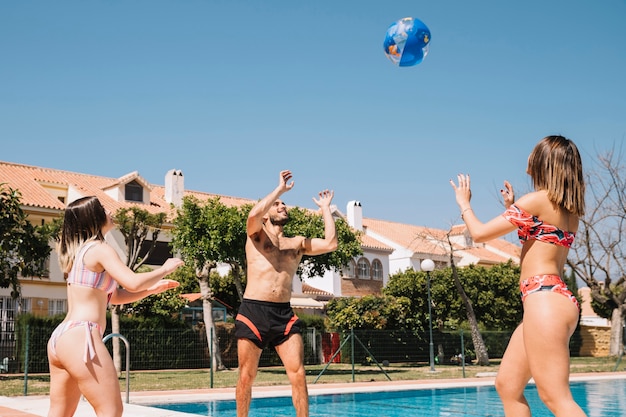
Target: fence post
[
  {"x": 352, "y": 350},
  {"x": 463, "y": 352},
  {"x": 26, "y": 342},
  {"x": 211, "y": 357}
]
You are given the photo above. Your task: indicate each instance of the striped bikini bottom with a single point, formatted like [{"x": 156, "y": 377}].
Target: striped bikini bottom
[{"x": 90, "y": 352}]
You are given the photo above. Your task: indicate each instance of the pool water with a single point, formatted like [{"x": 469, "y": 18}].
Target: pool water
[{"x": 605, "y": 397}]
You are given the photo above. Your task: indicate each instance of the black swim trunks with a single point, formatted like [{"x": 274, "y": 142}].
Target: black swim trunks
[{"x": 266, "y": 323}]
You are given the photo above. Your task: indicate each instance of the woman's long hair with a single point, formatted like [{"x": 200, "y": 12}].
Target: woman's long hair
[
  {"x": 555, "y": 166},
  {"x": 82, "y": 222}
]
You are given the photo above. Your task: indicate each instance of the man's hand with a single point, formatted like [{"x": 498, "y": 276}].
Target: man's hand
[
  {"x": 326, "y": 197},
  {"x": 283, "y": 182}
]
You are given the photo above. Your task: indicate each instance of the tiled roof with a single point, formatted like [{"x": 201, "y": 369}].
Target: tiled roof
[
  {"x": 493, "y": 251},
  {"x": 371, "y": 243},
  {"x": 506, "y": 246},
  {"x": 310, "y": 290},
  {"x": 30, "y": 181},
  {"x": 418, "y": 239},
  {"x": 33, "y": 183},
  {"x": 485, "y": 255}
]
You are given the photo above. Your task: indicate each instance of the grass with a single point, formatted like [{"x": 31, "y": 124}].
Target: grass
[{"x": 39, "y": 384}]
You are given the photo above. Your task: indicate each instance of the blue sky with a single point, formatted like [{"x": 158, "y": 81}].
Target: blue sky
[{"x": 231, "y": 92}]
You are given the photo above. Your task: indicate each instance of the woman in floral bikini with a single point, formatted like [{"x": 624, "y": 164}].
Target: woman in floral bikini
[{"x": 546, "y": 221}]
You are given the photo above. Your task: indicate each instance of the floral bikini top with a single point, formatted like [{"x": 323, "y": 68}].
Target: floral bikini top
[{"x": 531, "y": 228}]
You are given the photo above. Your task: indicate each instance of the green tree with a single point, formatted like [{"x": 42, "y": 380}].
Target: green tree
[
  {"x": 412, "y": 285},
  {"x": 304, "y": 223},
  {"x": 224, "y": 289},
  {"x": 141, "y": 230},
  {"x": 206, "y": 234},
  {"x": 137, "y": 226},
  {"x": 163, "y": 306},
  {"x": 494, "y": 292},
  {"x": 384, "y": 312},
  {"x": 24, "y": 246}
]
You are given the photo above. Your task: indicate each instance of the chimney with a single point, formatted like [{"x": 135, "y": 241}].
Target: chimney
[
  {"x": 355, "y": 215},
  {"x": 174, "y": 187}
]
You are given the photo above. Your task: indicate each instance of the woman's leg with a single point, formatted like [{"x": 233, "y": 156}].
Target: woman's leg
[
  {"x": 550, "y": 319},
  {"x": 64, "y": 392},
  {"x": 96, "y": 379},
  {"x": 513, "y": 376}
]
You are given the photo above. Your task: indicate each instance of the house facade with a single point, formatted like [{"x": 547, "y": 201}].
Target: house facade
[
  {"x": 388, "y": 247},
  {"x": 391, "y": 247}
]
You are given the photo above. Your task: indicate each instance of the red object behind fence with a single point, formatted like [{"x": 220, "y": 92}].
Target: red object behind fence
[{"x": 330, "y": 345}]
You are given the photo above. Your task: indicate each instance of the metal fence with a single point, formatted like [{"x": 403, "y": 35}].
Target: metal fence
[
  {"x": 156, "y": 349},
  {"x": 172, "y": 349}
]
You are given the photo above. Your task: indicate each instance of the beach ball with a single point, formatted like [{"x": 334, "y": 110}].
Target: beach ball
[{"x": 406, "y": 42}]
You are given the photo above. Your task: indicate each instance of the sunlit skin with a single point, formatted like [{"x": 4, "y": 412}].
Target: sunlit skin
[{"x": 272, "y": 261}]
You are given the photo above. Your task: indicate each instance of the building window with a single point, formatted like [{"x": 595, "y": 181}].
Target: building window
[
  {"x": 133, "y": 191},
  {"x": 348, "y": 270},
  {"x": 46, "y": 268},
  {"x": 7, "y": 319},
  {"x": 469, "y": 242},
  {"x": 159, "y": 255},
  {"x": 363, "y": 269},
  {"x": 377, "y": 270},
  {"x": 26, "y": 305},
  {"x": 441, "y": 265},
  {"x": 56, "y": 307}
]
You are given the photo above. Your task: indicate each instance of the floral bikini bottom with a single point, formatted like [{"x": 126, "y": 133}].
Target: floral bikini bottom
[{"x": 552, "y": 283}]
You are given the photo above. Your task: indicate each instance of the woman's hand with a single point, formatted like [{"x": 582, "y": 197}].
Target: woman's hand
[
  {"x": 163, "y": 285},
  {"x": 462, "y": 191},
  {"x": 508, "y": 196},
  {"x": 171, "y": 265}
]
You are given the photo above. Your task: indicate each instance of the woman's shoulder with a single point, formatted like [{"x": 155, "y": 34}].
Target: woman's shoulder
[
  {"x": 533, "y": 202},
  {"x": 539, "y": 205},
  {"x": 96, "y": 249}
]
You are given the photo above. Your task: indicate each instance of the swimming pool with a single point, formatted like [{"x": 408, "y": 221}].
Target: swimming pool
[{"x": 603, "y": 397}]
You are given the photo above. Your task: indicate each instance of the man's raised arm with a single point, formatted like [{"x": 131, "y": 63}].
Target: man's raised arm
[{"x": 255, "y": 217}]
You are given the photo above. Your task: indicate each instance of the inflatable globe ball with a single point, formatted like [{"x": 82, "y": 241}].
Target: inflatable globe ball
[{"x": 406, "y": 42}]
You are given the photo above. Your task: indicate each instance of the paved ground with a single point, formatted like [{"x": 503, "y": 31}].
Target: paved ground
[{"x": 37, "y": 406}]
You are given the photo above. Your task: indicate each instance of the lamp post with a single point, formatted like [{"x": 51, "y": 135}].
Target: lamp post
[{"x": 428, "y": 266}]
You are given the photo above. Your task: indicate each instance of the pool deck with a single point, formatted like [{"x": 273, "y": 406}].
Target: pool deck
[{"x": 37, "y": 405}]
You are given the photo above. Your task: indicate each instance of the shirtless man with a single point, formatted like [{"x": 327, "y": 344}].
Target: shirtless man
[{"x": 265, "y": 315}]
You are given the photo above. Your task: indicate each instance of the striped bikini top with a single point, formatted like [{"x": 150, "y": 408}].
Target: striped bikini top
[
  {"x": 531, "y": 228},
  {"x": 80, "y": 275}
]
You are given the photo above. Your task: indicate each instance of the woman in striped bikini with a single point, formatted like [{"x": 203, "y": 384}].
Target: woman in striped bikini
[
  {"x": 546, "y": 221},
  {"x": 96, "y": 277}
]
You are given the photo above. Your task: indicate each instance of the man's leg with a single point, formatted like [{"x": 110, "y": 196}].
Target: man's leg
[
  {"x": 291, "y": 352},
  {"x": 248, "y": 355}
]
